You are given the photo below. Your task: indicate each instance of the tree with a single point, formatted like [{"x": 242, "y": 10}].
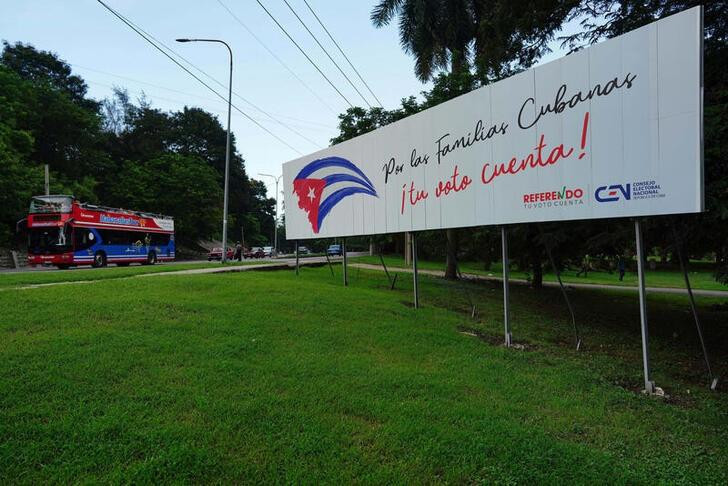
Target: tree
[
  {"x": 609, "y": 18},
  {"x": 438, "y": 34},
  {"x": 65, "y": 126},
  {"x": 511, "y": 36},
  {"x": 358, "y": 121},
  {"x": 45, "y": 67},
  {"x": 119, "y": 152},
  {"x": 182, "y": 186},
  {"x": 500, "y": 37}
]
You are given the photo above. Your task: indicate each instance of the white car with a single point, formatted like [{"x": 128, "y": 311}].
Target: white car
[{"x": 268, "y": 251}]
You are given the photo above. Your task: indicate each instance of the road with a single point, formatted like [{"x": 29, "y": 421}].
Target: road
[
  {"x": 289, "y": 261},
  {"x": 284, "y": 259}
]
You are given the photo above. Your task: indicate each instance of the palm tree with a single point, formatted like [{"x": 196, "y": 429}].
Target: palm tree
[
  {"x": 439, "y": 34},
  {"x": 495, "y": 38}
]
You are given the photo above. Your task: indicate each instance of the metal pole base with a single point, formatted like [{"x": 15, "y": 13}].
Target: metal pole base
[
  {"x": 297, "y": 257},
  {"x": 413, "y": 241},
  {"x": 344, "y": 262},
  {"x": 649, "y": 384},
  {"x": 506, "y": 273}
]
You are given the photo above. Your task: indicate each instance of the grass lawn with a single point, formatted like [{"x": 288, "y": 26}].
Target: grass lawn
[
  {"x": 269, "y": 377},
  {"x": 699, "y": 279},
  {"x": 17, "y": 279}
]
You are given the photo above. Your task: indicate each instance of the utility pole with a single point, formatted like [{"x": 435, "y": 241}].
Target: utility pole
[
  {"x": 227, "y": 144},
  {"x": 47, "y": 180},
  {"x": 275, "y": 232}
]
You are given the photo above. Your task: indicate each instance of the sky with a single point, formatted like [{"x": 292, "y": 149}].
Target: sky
[{"x": 303, "y": 106}]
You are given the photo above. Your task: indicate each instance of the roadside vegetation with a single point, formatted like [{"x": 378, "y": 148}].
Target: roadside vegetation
[
  {"x": 26, "y": 278},
  {"x": 270, "y": 377},
  {"x": 701, "y": 274}
]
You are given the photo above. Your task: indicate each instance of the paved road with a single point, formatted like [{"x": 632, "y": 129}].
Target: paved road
[
  {"x": 268, "y": 263},
  {"x": 289, "y": 262},
  {"x": 664, "y": 290},
  {"x": 281, "y": 259}
]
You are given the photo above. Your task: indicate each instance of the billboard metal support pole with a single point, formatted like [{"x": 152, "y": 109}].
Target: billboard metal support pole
[
  {"x": 563, "y": 289},
  {"x": 684, "y": 268},
  {"x": 296, "y": 257},
  {"x": 391, "y": 281},
  {"x": 413, "y": 239},
  {"x": 649, "y": 384},
  {"x": 343, "y": 254},
  {"x": 328, "y": 260},
  {"x": 506, "y": 272}
]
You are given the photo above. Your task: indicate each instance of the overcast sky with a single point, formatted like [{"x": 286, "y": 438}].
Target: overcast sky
[{"x": 107, "y": 53}]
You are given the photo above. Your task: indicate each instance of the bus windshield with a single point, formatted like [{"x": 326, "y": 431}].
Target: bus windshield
[
  {"x": 50, "y": 204},
  {"x": 49, "y": 240}
]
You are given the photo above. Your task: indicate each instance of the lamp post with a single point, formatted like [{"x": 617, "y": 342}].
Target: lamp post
[
  {"x": 227, "y": 144},
  {"x": 275, "y": 225}
]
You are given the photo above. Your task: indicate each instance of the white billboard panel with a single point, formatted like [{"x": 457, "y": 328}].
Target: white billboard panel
[{"x": 614, "y": 130}]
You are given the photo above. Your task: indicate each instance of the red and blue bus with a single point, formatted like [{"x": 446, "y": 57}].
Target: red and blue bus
[{"x": 65, "y": 232}]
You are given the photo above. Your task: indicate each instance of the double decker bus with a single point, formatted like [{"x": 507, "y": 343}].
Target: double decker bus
[{"x": 65, "y": 232}]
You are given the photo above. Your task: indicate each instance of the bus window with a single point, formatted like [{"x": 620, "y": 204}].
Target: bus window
[
  {"x": 83, "y": 238},
  {"x": 159, "y": 239},
  {"x": 113, "y": 237},
  {"x": 49, "y": 240}
]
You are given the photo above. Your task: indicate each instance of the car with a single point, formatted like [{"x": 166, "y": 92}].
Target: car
[
  {"x": 255, "y": 252},
  {"x": 302, "y": 250},
  {"x": 268, "y": 251},
  {"x": 333, "y": 250},
  {"x": 216, "y": 254}
]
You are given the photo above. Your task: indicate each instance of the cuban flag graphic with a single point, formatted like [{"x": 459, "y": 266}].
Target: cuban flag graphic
[{"x": 323, "y": 183}]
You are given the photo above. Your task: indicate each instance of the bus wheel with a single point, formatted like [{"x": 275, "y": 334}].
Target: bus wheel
[
  {"x": 151, "y": 258},
  {"x": 99, "y": 260}
]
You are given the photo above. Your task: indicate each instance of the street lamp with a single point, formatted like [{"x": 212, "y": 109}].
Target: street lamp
[
  {"x": 275, "y": 231},
  {"x": 227, "y": 143}
]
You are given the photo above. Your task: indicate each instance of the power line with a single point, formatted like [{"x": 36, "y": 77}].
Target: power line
[
  {"x": 314, "y": 125},
  {"x": 304, "y": 53},
  {"x": 172, "y": 100},
  {"x": 280, "y": 61},
  {"x": 253, "y": 105},
  {"x": 342, "y": 52},
  {"x": 147, "y": 37},
  {"x": 326, "y": 52}
]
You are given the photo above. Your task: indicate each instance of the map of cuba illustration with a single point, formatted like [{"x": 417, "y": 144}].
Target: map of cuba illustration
[{"x": 333, "y": 177}]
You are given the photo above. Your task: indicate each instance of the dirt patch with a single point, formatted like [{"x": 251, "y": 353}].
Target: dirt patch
[{"x": 493, "y": 339}]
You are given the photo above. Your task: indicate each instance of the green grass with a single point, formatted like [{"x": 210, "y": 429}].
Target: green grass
[
  {"x": 17, "y": 279},
  {"x": 700, "y": 279},
  {"x": 266, "y": 377}
]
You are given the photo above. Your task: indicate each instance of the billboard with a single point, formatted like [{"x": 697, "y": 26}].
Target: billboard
[{"x": 614, "y": 130}]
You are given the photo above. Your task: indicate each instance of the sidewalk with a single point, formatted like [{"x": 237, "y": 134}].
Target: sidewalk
[{"x": 439, "y": 273}]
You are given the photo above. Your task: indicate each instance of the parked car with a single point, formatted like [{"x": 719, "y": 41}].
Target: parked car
[
  {"x": 268, "y": 251},
  {"x": 216, "y": 254},
  {"x": 255, "y": 252},
  {"x": 302, "y": 250},
  {"x": 333, "y": 250}
]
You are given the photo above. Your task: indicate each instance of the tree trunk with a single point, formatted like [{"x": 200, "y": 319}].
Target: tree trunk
[
  {"x": 457, "y": 65},
  {"x": 537, "y": 281},
  {"x": 534, "y": 255},
  {"x": 451, "y": 258},
  {"x": 407, "y": 249}
]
